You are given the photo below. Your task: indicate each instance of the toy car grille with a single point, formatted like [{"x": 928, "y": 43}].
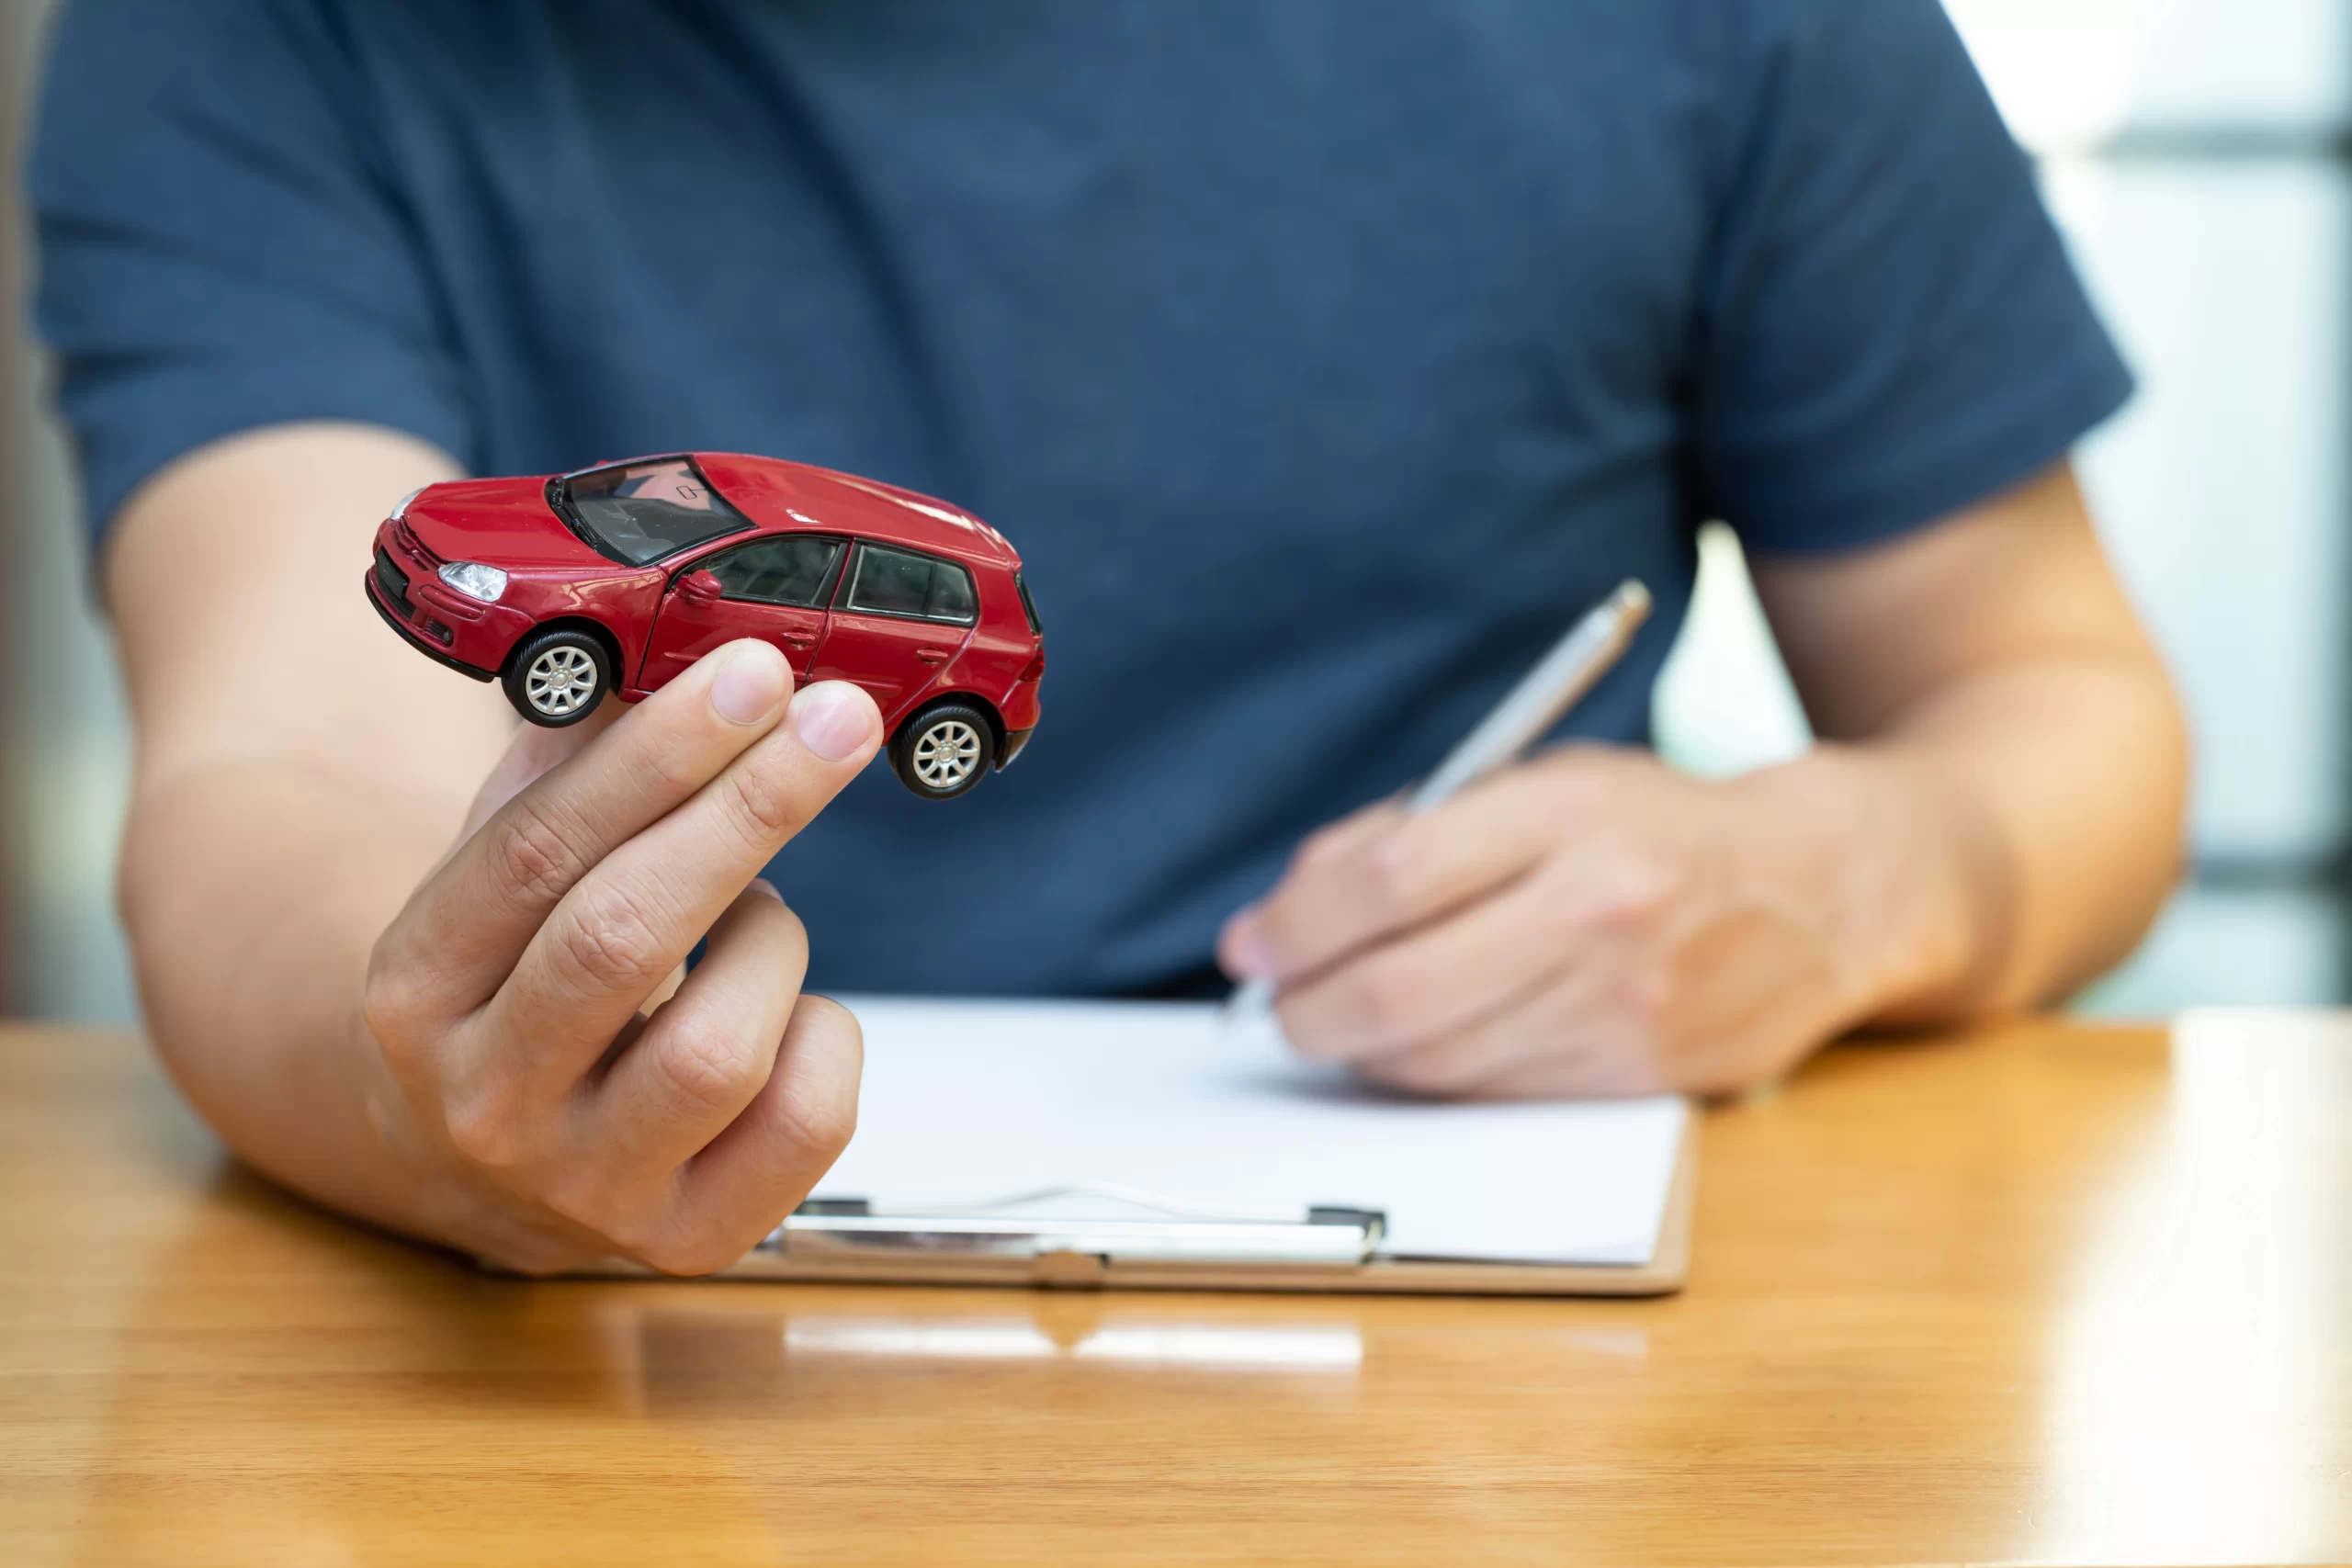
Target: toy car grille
[{"x": 394, "y": 583}]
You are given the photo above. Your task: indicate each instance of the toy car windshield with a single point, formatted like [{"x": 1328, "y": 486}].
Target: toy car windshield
[{"x": 639, "y": 512}]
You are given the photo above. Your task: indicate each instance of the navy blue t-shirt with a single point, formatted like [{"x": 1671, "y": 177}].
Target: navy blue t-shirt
[{"x": 1323, "y": 359}]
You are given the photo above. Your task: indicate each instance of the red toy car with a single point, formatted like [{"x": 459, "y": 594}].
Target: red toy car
[{"x": 616, "y": 578}]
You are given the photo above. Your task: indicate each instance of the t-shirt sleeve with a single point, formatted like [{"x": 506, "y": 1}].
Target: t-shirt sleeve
[
  {"x": 220, "y": 244},
  {"x": 1889, "y": 328}
]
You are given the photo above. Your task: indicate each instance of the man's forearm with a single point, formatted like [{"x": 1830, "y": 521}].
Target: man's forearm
[
  {"x": 2006, "y": 839},
  {"x": 1990, "y": 675},
  {"x": 253, "y": 893}
]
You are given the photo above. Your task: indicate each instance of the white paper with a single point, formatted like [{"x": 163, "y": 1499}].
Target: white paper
[{"x": 970, "y": 1102}]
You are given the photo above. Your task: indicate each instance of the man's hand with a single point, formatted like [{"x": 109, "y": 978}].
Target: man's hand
[
  {"x": 1994, "y": 818},
  {"x": 476, "y": 1043},
  {"x": 1592, "y": 923},
  {"x": 556, "y": 1110}
]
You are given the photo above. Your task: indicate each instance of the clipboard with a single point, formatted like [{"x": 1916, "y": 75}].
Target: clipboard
[
  {"x": 1172, "y": 1156},
  {"x": 1330, "y": 1250}
]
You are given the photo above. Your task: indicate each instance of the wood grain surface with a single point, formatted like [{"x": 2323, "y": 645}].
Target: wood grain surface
[{"x": 2054, "y": 1294}]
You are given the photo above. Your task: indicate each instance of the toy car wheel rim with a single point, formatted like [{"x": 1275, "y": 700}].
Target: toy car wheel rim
[
  {"x": 946, "y": 754},
  {"x": 560, "y": 681}
]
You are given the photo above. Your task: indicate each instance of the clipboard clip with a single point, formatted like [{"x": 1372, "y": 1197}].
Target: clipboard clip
[{"x": 1077, "y": 1251}]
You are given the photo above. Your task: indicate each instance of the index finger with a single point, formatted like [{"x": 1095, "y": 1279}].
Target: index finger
[
  {"x": 1391, "y": 872},
  {"x": 635, "y": 917},
  {"x": 476, "y": 914}
]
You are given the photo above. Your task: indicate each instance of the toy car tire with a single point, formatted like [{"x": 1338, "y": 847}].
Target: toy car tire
[
  {"x": 944, "y": 750},
  {"x": 559, "y": 676}
]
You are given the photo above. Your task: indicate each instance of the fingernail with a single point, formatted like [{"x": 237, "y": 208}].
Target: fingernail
[
  {"x": 833, "y": 720},
  {"x": 750, "y": 684},
  {"x": 1250, "y": 957}
]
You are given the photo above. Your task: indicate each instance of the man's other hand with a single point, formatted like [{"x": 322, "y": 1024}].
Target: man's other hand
[
  {"x": 1993, "y": 818},
  {"x": 1590, "y": 923}
]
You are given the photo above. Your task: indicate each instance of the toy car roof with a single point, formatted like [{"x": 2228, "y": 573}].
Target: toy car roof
[{"x": 777, "y": 493}]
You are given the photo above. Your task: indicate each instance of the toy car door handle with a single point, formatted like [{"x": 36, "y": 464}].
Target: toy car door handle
[
  {"x": 933, "y": 655},
  {"x": 799, "y": 639}
]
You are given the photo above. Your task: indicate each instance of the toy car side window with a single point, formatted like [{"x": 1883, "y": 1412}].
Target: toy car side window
[
  {"x": 898, "y": 583},
  {"x": 791, "y": 569},
  {"x": 951, "y": 594}
]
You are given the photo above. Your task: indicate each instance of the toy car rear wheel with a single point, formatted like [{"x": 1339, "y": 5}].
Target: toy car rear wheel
[
  {"x": 557, "y": 677},
  {"x": 944, "y": 750}
]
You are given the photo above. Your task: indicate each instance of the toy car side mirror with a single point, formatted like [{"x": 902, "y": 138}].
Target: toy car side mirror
[{"x": 701, "y": 587}]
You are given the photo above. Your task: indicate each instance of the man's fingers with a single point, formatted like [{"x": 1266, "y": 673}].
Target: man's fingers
[
  {"x": 1570, "y": 1037},
  {"x": 614, "y": 935},
  {"x": 1348, "y": 889},
  {"x": 1241, "y": 947},
  {"x": 1483, "y": 960},
  {"x": 742, "y": 1186},
  {"x": 705, "y": 1052},
  {"x": 464, "y": 929}
]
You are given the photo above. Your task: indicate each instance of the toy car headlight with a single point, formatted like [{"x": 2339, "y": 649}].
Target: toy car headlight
[{"x": 475, "y": 582}]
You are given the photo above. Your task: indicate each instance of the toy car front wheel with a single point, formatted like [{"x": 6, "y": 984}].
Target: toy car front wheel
[
  {"x": 557, "y": 677},
  {"x": 943, "y": 750}
]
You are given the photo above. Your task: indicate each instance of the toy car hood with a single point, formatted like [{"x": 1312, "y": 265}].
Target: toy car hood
[{"x": 504, "y": 523}]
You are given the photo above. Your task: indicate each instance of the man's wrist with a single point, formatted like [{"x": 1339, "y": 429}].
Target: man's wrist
[{"x": 1904, "y": 868}]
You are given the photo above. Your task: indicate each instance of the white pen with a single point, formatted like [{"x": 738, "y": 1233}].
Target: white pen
[{"x": 1531, "y": 708}]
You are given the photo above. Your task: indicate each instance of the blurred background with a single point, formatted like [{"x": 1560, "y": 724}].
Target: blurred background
[{"x": 2197, "y": 154}]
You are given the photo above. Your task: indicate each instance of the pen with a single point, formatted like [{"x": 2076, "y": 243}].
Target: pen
[{"x": 1543, "y": 696}]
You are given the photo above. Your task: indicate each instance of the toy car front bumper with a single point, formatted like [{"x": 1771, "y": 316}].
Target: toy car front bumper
[{"x": 419, "y": 625}]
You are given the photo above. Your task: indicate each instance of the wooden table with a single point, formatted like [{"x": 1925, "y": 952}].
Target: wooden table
[{"x": 2057, "y": 1294}]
